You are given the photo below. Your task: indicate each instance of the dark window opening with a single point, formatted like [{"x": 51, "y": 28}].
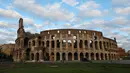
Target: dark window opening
[{"x": 58, "y": 44}]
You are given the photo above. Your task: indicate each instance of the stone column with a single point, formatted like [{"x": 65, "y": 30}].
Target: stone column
[
  {"x": 83, "y": 42},
  {"x": 36, "y": 42},
  {"x": 93, "y": 45},
  {"x": 99, "y": 56},
  {"x": 18, "y": 57},
  {"x": 72, "y": 42},
  {"x": 66, "y": 56},
  {"x": 55, "y": 40},
  {"x": 60, "y": 56},
  {"x": 67, "y": 43},
  {"x": 104, "y": 56},
  {"x": 55, "y": 56},
  {"x": 35, "y": 57},
  {"x": 84, "y": 55},
  {"x": 78, "y": 42},
  {"x": 41, "y": 56},
  {"x": 98, "y": 45},
  {"x": 88, "y": 43},
  {"x": 94, "y": 56},
  {"x": 61, "y": 42},
  {"x": 89, "y": 56},
  {"x": 50, "y": 43},
  {"x": 102, "y": 45}
]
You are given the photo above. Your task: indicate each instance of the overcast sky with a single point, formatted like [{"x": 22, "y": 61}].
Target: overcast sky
[{"x": 109, "y": 16}]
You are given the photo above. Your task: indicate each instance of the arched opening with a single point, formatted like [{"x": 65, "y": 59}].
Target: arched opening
[
  {"x": 28, "y": 53},
  {"x": 96, "y": 45},
  {"x": 29, "y": 44},
  {"x": 107, "y": 45},
  {"x": 69, "y": 43},
  {"x": 81, "y": 44},
  {"x": 97, "y": 56},
  {"x": 69, "y": 56},
  {"x": 52, "y": 44},
  {"x": 75, "y": 56},
  {"x": 26, "y": 42},
  {"x": 101, "y": 56},
  {"x": 63, "y": 56},
  {"x": 81, "y": 56},
  {"x": 39, "y": 43},
  {"x": 100, "y": 43},
  {"x": 32, "y": 56},
  {"x": 47, "y": 43},
  {"x": 112, "y": 56},
  {"x": 109, "y": 56},
  {"x": 52, "y": 37},
  {"x": 42, "y": 43},
  {"x": 58, "y": 44},
  {"x": 39, "y": 37},
  {"x": 57, "y": 56},
  {"x": 37, "y": 56},
  {"x": 105, "y": 56},
  {"x": 86, "y": 43},
  {"x": 64, "y": 43},
  {"x": 87, "y": 55},
  {"x": 91, "y": 44},
  {"x": 43, "y": 53},
  {"x": 52, "y": 56},
  {"x": 46, "y": 57},
  {"x": 92, "y": 56},
  {"x": 33, "y": 42},
  {"x": 75, "y": 43}
]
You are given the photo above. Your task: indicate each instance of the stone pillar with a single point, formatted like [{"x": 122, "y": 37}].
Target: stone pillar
[
  {"x": 60, "y": 56},
  {"x": 89, "y": 56},
  {"x": 93, "y": 45},
  {"x": 35, "y": 57},
  {"x": 99, "y": 56},
  {"x": 41, "y": 56},
  {"x": 55, "y": 56},
  {"x": 104, "y": 56},
  {"x": 88, "y": 43},
  {"x": 55, "y": 40},
  {"x": 102, "y": 45},
  {"x": 66, "y": 56},
  {"x": 36, "y": 42},
  {"x": 98, "y": 45},
  {"x": 94, "y": 56},
  {"x": 72, "y": 42},
  {"x": 78, "y": 42},
  {"x": 61, "y": 42},
  {"x": 50, "y": 43},
  {"x": 18, "y": 57},
  {"x": 67, "y": 43},
  {"x": 84, "y": 55},
  {"x": 83, "y": 42}
]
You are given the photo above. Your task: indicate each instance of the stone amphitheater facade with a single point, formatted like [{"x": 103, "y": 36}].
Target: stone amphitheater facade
[{"x": 63, "y": 44}]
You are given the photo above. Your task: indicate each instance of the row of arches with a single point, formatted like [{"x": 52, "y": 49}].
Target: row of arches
[
  {"x": 81, "y": 43},
  {"x": 73, "y": 56}
]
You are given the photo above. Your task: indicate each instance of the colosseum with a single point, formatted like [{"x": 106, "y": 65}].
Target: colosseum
[{"x": 63, "y": 44}]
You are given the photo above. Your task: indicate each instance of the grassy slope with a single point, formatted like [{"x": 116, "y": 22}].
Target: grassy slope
[{"x": 68, "y": 68}]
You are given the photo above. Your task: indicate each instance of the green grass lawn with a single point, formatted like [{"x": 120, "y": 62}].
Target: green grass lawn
[{"x": 66, "y": 68}]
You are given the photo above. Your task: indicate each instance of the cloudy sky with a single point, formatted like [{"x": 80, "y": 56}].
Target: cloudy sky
[{"x": 109, "y": 16}]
